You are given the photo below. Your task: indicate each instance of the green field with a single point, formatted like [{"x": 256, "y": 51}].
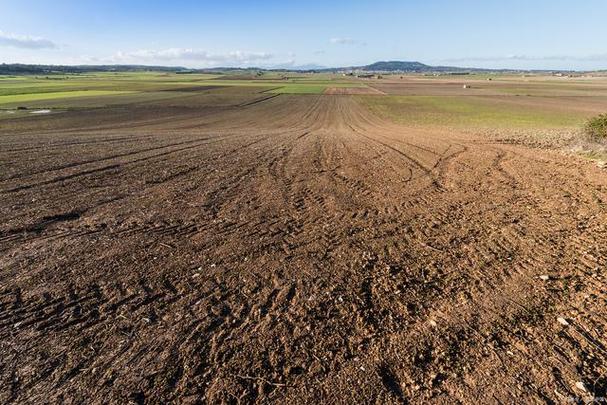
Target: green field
[
  {"x": 26, "y": 89},
  {"x": 470, "y": 111},
  {"x": 22, "y": 98},
  {"x": 506, "y": 101}
]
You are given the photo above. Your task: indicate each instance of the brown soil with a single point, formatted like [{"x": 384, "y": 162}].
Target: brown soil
[
  {"x": 294, "y": 250},
  {"x": 353, "y": 91}
]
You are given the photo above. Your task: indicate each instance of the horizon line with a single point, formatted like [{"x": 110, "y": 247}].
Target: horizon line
[{"x": 301, "y": 67}]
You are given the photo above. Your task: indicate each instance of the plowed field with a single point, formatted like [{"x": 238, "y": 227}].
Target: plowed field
[{"x": 294, "y": 249}]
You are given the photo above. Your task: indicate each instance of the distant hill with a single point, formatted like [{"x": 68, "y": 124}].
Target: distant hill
[
  {"x": 396, "y": 66},
  {"x": 377, "y": 67}
]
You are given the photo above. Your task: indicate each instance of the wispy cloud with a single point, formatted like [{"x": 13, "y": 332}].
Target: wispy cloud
[
  {"x": 192, "y": 55},
  {"x": 345, "y": 41},
  {"x": 570, "y": 58},
  {"x": 25, "y": 41}
]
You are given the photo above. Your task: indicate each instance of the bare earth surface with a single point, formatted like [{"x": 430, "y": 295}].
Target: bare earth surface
[
  {"x": 294, "y": 249},
  {"x": 353, "y": 90}
]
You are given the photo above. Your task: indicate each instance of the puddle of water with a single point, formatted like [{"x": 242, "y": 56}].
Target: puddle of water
[{"x": 41, "y": 112}]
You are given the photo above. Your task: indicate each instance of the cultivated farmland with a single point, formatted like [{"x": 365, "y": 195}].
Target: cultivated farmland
[{"x": 175, "y": 238}]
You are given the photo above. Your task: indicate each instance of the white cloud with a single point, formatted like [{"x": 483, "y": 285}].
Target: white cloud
[
  {"x": 25, "y": 41},
  {"x": 192, "y": 55},
  {"x": 346, "y": 41}
]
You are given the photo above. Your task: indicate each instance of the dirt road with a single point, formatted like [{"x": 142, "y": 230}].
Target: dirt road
[{"x": 296, "y": 250}]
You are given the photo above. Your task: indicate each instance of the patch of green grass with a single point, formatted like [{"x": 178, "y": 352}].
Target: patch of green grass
[
  {"x": 4, "y": 78},
  {"x": 35, "y": 86},
  {"x": 468, "y": 111},
  {"x": 24, "y": 98}
]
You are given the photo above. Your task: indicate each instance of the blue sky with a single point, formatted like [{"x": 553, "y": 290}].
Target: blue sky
[{"x": 516, "y": 34}]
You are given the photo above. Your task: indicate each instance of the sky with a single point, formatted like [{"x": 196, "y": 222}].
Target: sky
[{"x": 531, "y": 34}]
